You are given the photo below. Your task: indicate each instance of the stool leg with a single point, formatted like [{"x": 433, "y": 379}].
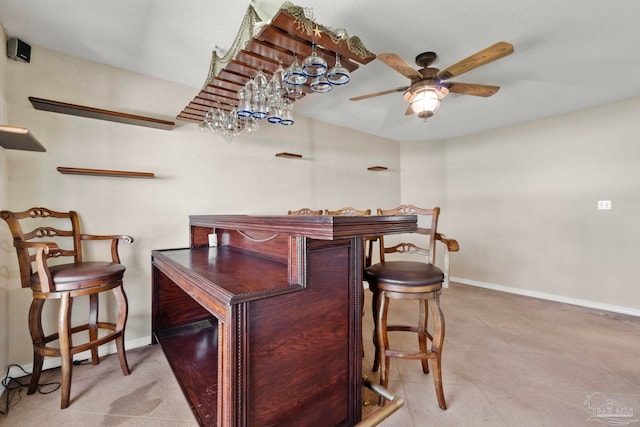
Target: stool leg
[
  {"x": 436, "y": 347},
  {"x": 93, "y": 326},
  {"x": 422, "y": 332},
  {"x": 123, "y": 310},
  {"x": 374, "y": 311},
  {"x": 66, "y": 358},
  {"x": 383, "y": 339},
  {"x": 37, "y": 337}
]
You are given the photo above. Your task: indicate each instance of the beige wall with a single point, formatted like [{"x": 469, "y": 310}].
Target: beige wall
[
  {"x": 423, "y": 175},
  {"x": 522, "y": 203},
  {"x": 196, "y": 173}
]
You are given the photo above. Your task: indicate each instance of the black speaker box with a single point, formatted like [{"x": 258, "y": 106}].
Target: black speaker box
[{"x": 18, "y": 50}]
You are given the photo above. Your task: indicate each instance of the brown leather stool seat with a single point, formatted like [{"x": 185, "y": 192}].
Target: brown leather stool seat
[
  {"x": 69, "y": 277},
  {"x": 406, "y": 276}
]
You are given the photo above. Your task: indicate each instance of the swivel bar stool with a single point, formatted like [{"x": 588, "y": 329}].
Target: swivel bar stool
[
  {"x": 43, "y": 238},
  {"x": 413, "y": 280}
]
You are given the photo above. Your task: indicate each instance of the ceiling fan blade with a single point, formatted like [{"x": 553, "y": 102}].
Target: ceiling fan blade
[
  {"x": 472, "y": 89},
  {"x": 490, "y": 54},
  {"x": 398, "y": 64},
  {"x": 384, "y": 92}
]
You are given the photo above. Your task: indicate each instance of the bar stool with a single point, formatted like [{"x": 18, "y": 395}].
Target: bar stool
[
  {"x": 305, "y": 211},
  {"x": 65, "y": 282},
  {"x": 412, "y": 280},
  {"x": 367, "y": 241}
]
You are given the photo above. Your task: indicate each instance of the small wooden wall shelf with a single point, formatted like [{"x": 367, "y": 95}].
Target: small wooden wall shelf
[
  {"x": 377, "y": 168},
  {"x": 17, "y": 138},
  {"x": 104, "y": 172},
  {"x": 289, "y": 155},
  {"x": 97, "y": 113}
]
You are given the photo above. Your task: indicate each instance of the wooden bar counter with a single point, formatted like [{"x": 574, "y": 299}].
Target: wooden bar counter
[{"x": 264, "y": 329}]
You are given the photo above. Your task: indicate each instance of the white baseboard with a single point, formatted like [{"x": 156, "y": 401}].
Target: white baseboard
[
  {"x": 551, "y": 297},
  {"x": 54, "y": 362}
]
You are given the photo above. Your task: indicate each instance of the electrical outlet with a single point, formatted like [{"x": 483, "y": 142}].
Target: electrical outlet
[{"x": 604, "y": 205}]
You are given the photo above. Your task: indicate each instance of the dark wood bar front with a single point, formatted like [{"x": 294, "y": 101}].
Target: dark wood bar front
[{"x": 264, "y": 329}]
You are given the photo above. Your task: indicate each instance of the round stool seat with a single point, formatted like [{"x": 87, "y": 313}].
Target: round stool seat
[
  {"x": 411, "y": 280},
  {"x": 68, "y": 277},
  {"x": 404, "y": 276}
]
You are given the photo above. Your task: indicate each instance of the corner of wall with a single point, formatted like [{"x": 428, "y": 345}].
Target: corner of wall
[{"x": 4, "y": 242}]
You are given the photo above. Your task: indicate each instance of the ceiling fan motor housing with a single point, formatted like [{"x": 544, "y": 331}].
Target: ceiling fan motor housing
[
  {"x": 420, "y": 85},
  {"x": 425, "y": 59}
]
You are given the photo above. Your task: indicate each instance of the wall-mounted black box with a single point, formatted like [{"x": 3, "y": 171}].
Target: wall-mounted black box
[{"x": 18, "y": 50}]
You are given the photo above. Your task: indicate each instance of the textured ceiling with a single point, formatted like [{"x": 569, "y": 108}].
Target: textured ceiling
[{"x": 568, "y": 55}]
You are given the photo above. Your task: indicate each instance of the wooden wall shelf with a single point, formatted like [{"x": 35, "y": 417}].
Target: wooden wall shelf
[
  {"x": 104, "y": 172},
  {"x": 289, "y": 155},
  {"x": 17, "y": 138},
  {"x": 377, "y": 168},
  {"x": 97, "y": 113}
]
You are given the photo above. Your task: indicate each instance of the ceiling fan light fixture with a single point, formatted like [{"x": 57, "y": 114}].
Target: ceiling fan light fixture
[{"x": 425, "y": 101}]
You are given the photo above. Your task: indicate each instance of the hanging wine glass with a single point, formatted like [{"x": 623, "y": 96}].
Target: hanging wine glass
[
  {"x": 320, "y": 85},
  {"x": 244, "y": 101},
  {"x": 275, "y": 112},
  {"x": 294, "y": 91},
  {"x": 252, "y": 125},
  {"x": 260, "y": 81},
  {"x": 279, "y": 74},
  {"x": 259, "y": 105},
  {"x": 294, "y": 74},
  {"x": 231, "y": 125},
  {"x": 338, "y": 75},
  {"x": 218, "y": 120},
  {"x": 287, "y": 116},
  {"x": 314, "y": 65},
  {"x": 259, "y": 96},
  {"x": 274, "y": 87},
  {"x": 207, "y": 122}
]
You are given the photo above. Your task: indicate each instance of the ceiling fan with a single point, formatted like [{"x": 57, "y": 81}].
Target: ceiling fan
[{"x": 429, "y": 85}]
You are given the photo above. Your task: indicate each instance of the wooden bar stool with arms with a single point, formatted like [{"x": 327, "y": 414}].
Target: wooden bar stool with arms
[
  {"x": 366, "y": 241},
  {"x": 41, "y": 269},
  {"x": 414, "y": 280},
  {"x": 305, "y": 211}
]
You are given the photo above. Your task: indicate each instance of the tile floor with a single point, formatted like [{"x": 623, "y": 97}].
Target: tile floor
[{"x": 508, "y": 360}]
